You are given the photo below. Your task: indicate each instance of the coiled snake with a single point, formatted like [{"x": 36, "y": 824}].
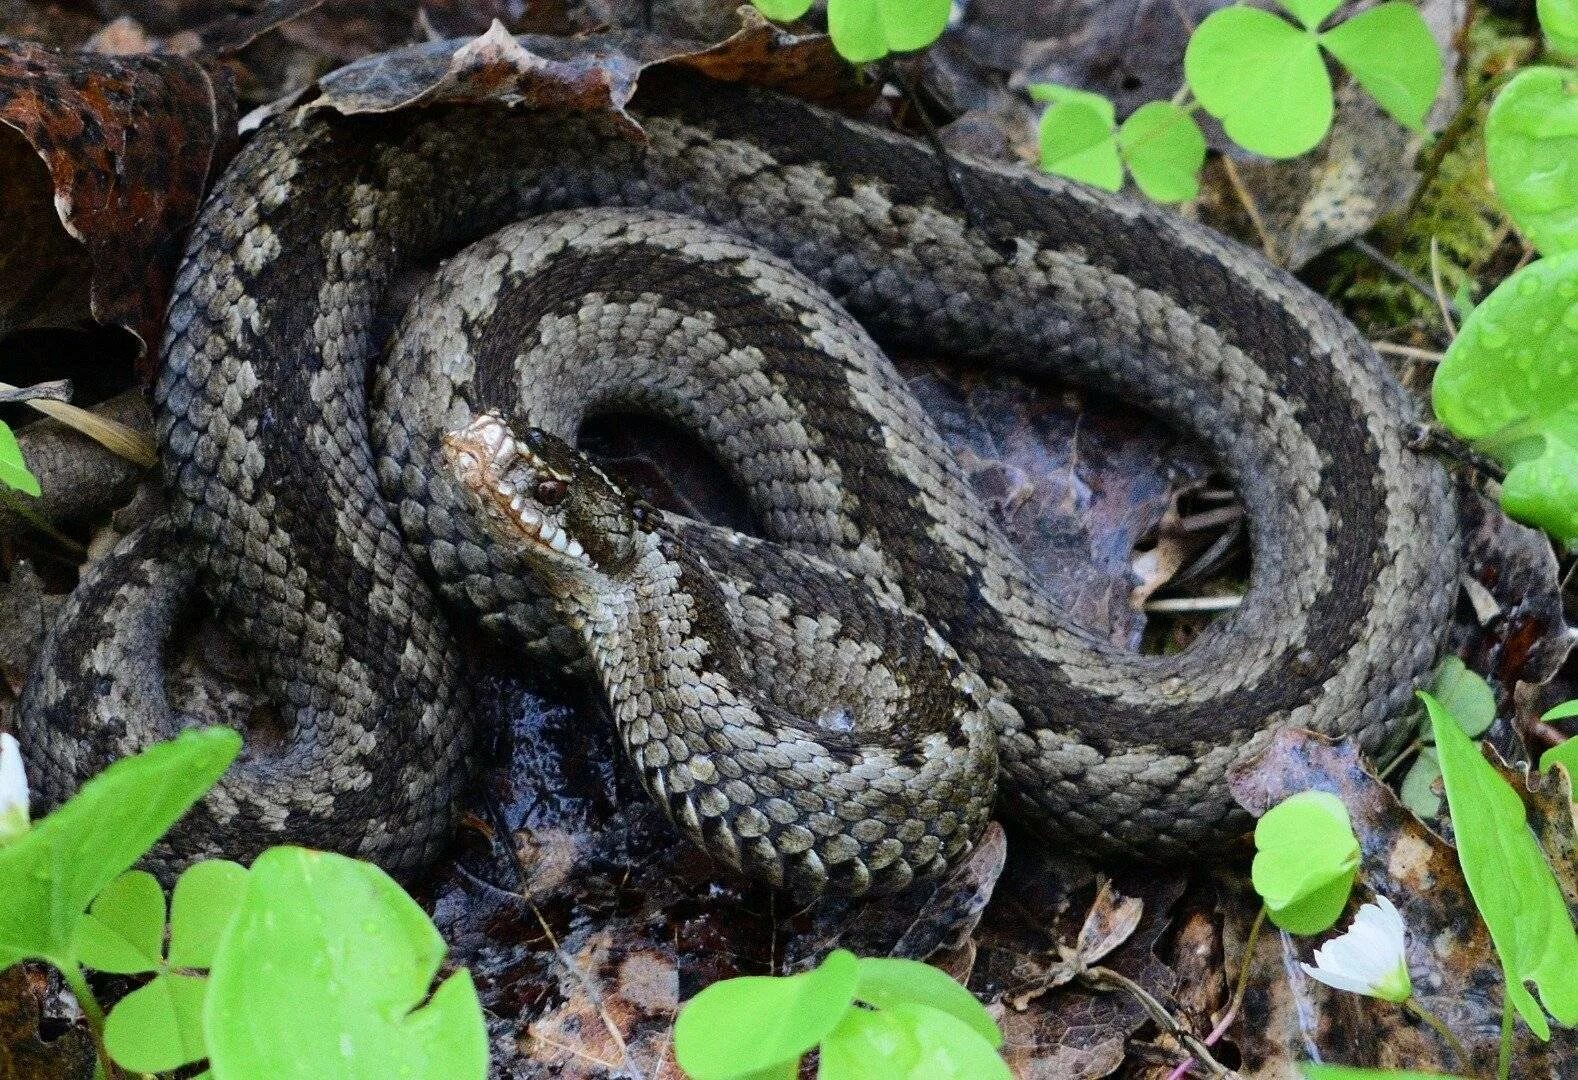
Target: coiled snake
[{"x": 795, "y": 711}]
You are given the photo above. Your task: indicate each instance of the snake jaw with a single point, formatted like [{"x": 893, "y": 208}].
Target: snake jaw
[{"x": 501, "y": 472}]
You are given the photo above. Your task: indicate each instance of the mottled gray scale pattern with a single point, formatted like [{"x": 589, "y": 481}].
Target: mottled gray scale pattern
[{"x": 339, "y": 561}]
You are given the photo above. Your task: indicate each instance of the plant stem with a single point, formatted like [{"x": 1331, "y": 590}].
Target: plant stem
[
  {"x": 1103, "y": 978},
  {"x": 1440, "y": 1029},
  {"x": 1504, "y": 1055},
  {"x": 94, "y": 1015},
  {"x": 1238, "y": 994}
]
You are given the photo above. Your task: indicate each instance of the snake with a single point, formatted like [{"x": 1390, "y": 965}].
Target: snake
[{"x": 838, "y": 703}]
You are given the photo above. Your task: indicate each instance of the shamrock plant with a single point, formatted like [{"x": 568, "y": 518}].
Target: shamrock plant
[
  {"x": 1263, "y": 77},
  {"x": 871, "y": 1017},
  {"x": 323, "y": 947}
]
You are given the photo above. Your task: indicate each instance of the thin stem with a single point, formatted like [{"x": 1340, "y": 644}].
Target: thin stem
[
  {"x": 1441, "y": 1029},
  {"x": 1104, "y": 978},
  {"x": 1407, "y": 752},
  {"x": 1251, "y": 208},
  {"x": 1239, "y": 989},
  {"x": 1504, "y": 1055},
  {"x": 94, "y": 1015}
]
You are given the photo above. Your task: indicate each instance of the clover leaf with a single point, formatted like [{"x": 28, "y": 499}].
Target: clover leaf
[
  {"x": 13, "y": 470},
  {"x": 1077, "y": 139},
  {"x": 1266, "y": 81},
  {"x": 742, "y": 1026},
  {"x": 1472, "y": 703},
  {"x": 1164, "y": 149},
  {"x": 1511, "y": 882},
  {"x": 51, "y": 874},
  {"x": 1160, "y": 143},
  {"x": 1305, "y": 862},
  {"x": 909, "y": 1039},
  {"x": 885, "y": 982},
  {"x": 866, "y": 30},
  {"x": 1263, "y": 78},
  {"x": 1509, "y": 384},
  {"x": 328, "y": 960},
  {"x": 159, "y": 1026},
  {"x": 1531, "y": 145}
]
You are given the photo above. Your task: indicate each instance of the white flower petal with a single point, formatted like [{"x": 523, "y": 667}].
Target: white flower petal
[
  {"x": 13, "y": 791},
  {"x": 1370, "y": 958}
]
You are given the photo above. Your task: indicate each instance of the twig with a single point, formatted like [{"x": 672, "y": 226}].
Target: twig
[
  {"x": 1186, "y": 604},
  {"x": 1408, "y": 352},
  {"x": 1103, "y": 978},
  {"x": 1393, "y": 267},
  {"x": 1267, "y": 244},
  {"x": 114, "y": 436},
  {"x": 1440, "y": 290}
]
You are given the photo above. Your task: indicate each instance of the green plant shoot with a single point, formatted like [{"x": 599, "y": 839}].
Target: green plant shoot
[{"x": 1512, "y": 884}]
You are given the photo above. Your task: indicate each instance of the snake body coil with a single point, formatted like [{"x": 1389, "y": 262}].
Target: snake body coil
[{"x": 718, "y": 284}]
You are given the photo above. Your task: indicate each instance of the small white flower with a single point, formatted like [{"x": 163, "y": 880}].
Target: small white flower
[
  {"x": 13, "y": 791},
  {"x": 1369, "y": 959}
]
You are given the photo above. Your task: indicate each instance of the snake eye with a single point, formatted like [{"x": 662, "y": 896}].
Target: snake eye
[{"x": 551, "y": 492}]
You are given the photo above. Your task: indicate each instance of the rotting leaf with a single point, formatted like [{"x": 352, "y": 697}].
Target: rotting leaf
[{"x": 130, "y": 144}]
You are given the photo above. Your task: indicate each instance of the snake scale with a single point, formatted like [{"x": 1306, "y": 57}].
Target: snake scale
[{"x": 836, "y": 704}]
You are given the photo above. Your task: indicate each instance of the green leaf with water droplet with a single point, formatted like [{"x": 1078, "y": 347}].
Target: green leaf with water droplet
[
  {"x": 1306, "y": 859},
  {"x": 741, "y": 1026},
  {"x": 886, "y": 981},
  {"x": 13, "y": 470},
  {"x": 123, "y": 933},
  {"x": 1559, "y": 20},
  {"x": 49, "y": 875},
  {"x": 1509, "y": 384},
  {"x": 1390, "y": 51},
  {"x": 325, "y": 970},
  {"x": 1263, "y": 77},
  {"x": 158, "y": 1027},
  {"x": 1531, "y": 145}
]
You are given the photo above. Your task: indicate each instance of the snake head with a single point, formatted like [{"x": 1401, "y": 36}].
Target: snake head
[{"x": 538, "y": 492}]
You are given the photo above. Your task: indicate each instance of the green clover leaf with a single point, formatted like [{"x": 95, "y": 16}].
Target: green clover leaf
[
  {"x": 123, "y": 932},
  {"x": 1164, "y": 150},
  {"x": 1077, "y": 141},
  {"x": 1531, "y": 144},
  {"x": 1305, "y": 862},
  {"x": 743, "y": 1026},
  {"x": 1509, "y": 384},
  {"x": 328, "y": 960},
  {"x": 1263, "y": 78},
  {"x": 885, "y": 982},
  {"x": 1511, "y": 882},
  {"x": 1266, "y": 80},
  {"x": 866, "y": 30},
  {"x": 13, "y": 470},
  {"x": 158, "y": 1027},
  {"x": 206, "y": 898},
  {"x": 1390, "y": 51}
]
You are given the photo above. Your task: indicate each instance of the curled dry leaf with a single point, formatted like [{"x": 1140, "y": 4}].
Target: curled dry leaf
[
  {"x": 596, "y": 73},
  {"x": 1455, "y": 971},
  {"x": 129, "y": 144}
]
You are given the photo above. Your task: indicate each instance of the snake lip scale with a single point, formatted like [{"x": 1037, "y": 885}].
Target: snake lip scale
[{"x": 836, "y": 704}]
